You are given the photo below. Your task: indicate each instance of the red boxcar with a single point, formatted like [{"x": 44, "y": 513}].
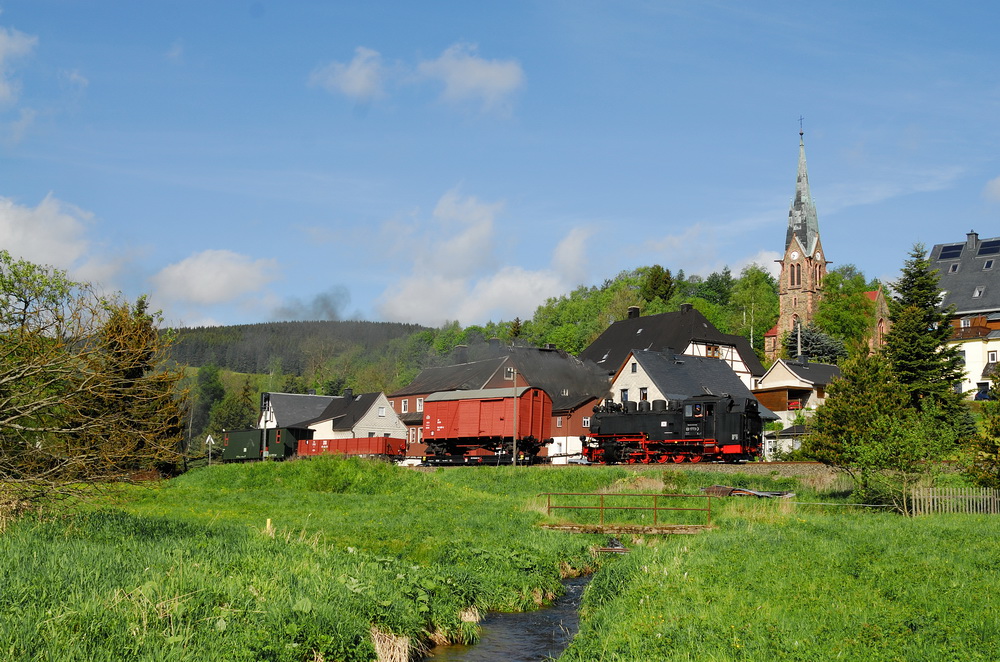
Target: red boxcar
[
  {"x": 379, "y": 446},
  {"x": 456, "y": 422}
]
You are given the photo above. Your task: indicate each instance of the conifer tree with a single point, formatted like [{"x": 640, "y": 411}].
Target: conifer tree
[{"x": 916, "y": 345}]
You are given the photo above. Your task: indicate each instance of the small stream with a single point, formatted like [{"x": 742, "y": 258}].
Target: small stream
[{"x": 526, "y": 637}]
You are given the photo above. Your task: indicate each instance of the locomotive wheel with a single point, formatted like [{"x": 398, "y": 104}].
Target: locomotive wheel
[
  {"x": 663, "y": 457},
  {"x": 697, "y": 458},
  {"x": 678, "y": 458}
]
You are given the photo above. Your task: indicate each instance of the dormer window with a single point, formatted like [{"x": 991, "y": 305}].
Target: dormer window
[
  {"x": 565, "y": 392},
  {"x": 987, "y": 265},
  {"x": 978, "y": 292},
  {"x": 953, "y": 268}
]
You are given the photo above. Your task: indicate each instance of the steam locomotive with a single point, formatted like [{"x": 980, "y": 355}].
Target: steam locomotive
[{"x": 697, "y": 429}]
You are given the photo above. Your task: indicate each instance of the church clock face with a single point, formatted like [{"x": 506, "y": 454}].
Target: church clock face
[
  {"x": 819, "y": 256},
  {"x": 794, "y": 255}
]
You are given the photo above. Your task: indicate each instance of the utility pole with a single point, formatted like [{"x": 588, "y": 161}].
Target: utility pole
[{"x": 514, "y": 456}]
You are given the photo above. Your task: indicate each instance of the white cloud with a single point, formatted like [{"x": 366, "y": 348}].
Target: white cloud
[
  {"x": 992, "y": 190},
  {"x": 361, "y": 78},
  {"x": 468, "y": 77},
  {"x": 176, "y": 51},
  {"x": 51, "y": 233},
  {"x": 12, "y": 44},
  {"x": 456, "y": 278},
  {"x": 213, "y": 277},
  {"x": 767, "y": 260},
  {"x": 19, "y": 127},
  {"x": 74, "y": 78},
  {"x": 55, "y": 234},
  {"x": 878, "y": 187}
]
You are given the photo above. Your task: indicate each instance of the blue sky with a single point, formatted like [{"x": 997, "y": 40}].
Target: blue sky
[{"x": 244, "y": 161}]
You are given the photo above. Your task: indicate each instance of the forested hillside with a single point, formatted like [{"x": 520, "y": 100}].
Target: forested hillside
[{"x": 289, "y": 347}]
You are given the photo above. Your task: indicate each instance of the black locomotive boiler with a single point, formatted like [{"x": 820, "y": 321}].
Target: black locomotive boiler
[{"x": 696, "y": 429}]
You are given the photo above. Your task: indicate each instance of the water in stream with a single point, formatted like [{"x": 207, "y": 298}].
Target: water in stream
[{"x": 526, "y": 637}]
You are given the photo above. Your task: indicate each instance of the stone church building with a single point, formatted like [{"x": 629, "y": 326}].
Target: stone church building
[{"x": 803, "y": 269}]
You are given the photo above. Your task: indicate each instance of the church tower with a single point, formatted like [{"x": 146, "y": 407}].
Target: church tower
[{"x": 803, "y": 266}]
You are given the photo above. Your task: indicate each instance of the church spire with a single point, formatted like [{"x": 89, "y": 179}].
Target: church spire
[{"x": 803, "y": 222}]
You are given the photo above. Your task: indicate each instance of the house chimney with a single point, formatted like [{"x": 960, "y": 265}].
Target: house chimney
[
  {"x": 633, "y": 312},
  {"x": 971, "y": 239},
  {"x": 461, "y": 354},
  {"x": 349, "y": 393},
  {"x": 686, "y": 308}
]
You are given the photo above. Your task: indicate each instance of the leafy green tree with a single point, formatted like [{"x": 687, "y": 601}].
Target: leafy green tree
[
  {"x": 83, "y": 398},
  {"x": 845, "y": 311},
  {"x": 815, "y": 344},
  {"x": 209, "y": 391},
  {"x": 867, "y": 429},
  {"x": 235, "y": 411},
  {"x": 753, "y": 305},
  {"x": 515, "y": 329},
  {"x": 916, "y": 345},
  {"x": 657, "y": 283},
  {"x": 717, "y": 288},
  {"x": 982, "y": 457},
  {"x": 332, "y": 386}
]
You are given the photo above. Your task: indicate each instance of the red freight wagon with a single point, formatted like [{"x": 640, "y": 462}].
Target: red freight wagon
[
  {"x": 457, "y": 422},
  {"x": 371, "y": 446}
]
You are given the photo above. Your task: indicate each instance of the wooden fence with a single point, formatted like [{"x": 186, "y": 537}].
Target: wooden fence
[{"x": 928, "y": 500}]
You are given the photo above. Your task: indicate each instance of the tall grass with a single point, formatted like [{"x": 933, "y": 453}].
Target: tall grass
[
  {"x": 779, "y": 583},
  {"x": 357, "y": 553}
]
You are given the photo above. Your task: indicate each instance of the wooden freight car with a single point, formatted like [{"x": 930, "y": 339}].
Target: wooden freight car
[
  {"x": 382, "y": 447},
  {"x": 460, "y": 424}
]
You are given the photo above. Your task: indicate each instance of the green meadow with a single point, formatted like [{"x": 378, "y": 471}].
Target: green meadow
[{"x": 343, "y": 559}]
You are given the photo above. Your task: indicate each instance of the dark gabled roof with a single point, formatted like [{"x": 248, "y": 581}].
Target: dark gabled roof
[
  {"x": 680, "y": 376},
  {"x": 660, "y": 333},
  {"x": 292, "y": 408},
  {"x": 814, "y": 373},
  {"x": 343, "y": 411},
  {"x": 452, "y": 377},
  {"x": 569, "y": 381},
  {"x": 968, "y": 285}
]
